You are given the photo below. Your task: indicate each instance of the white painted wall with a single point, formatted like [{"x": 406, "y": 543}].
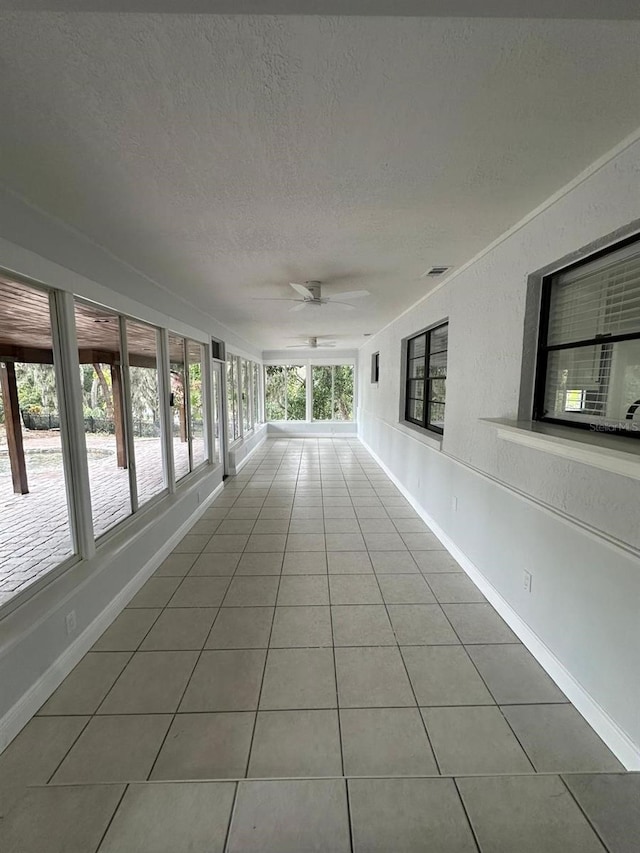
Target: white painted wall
[{"x": 576, "y": 528}]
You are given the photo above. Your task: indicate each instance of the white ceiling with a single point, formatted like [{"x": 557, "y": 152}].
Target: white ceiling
[{"x": 226, "y": 156}]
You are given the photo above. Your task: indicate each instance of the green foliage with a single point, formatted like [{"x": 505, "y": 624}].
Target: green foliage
[{"x": 286, "y": 393}]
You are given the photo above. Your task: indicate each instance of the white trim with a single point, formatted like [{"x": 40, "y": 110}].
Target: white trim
[
  {"x": 259, "y": 436},
  {"x": 613, "y": 736},
  {"x": 575, "y": 448},
  {"x": 19, "y": 714}
]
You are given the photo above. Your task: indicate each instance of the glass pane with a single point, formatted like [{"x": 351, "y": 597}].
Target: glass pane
[
  {"x": 321, "y": 379},
  {"x": 416, "y": 390},
  {"x": 417, "y": 347},
  {"x": 246, "y": 397},
  {"x": 215, "y": 413},
  {"x": 437, "y": 390},
  {"x": 596, "y": 384},
  {"x": 415, "y": 410},
  {"x": 436, "y": 415},
  {"x": 275, "y": 392},
  {"x": 343, "y": 392},
  {"x": 232, "y": 398},
  {"x": 256, "y": 393},
  {"x": 196, "y": 404},
  {"x": 416, "y": 368},
  {"x": 438, "y": 364},
  {"x": 178, "y": 408},
  {"x": 145, "y": 410},
  {"x": 33, "y": 498},
  {"x": 98, "y": 333},
  {"x": 296, "y": 393},
  {"x": 438, "y": 339}
]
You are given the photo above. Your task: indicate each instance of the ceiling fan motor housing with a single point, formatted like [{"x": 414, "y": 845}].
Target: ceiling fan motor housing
[{"x": 315, "y": 288}]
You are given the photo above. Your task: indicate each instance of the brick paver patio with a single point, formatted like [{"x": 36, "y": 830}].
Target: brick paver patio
[{"x": 35, "y": 535}]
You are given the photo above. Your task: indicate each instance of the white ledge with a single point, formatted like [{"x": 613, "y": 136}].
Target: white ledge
[{"x": 617, "y": 454}]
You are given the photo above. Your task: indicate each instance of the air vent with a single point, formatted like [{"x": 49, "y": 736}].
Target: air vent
[{"x": 438, "y": 270}]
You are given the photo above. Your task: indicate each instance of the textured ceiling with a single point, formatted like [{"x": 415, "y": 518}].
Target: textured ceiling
[
  {"x": 226, "y": 156},
  {"x": 598, "y": 9}
]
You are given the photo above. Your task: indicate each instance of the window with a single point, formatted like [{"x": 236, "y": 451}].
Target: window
[
  {"x": 588, "y": 372},
  {"x": 101, "y": 377},
  {"x": 35, "y": 530},
  {"x": 232, "y": 398},
  {"x": 375, "y": 367},
  {"x": 247, "y": 423},
  {"x": 142, "y": 348},
  {"x": 426, "y": 378},
  {"x": 195, "y": 353},
  {"x": 286, "y": 392},
  {"x": 332, "y": 388},
  {"x": 180, "y": 427},
  {"x": 257, "y": 418}
]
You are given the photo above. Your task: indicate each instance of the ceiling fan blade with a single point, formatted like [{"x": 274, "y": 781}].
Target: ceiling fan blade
[
  {"x": 349, "y": 294},
  {"x": 298, "y": 306},
  {"x": 302, "y": 290},
  {"x": 272, "y": 299},
  {"x": 341, "y": 304}
]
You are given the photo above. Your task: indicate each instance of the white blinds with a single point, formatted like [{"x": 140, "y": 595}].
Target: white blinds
[{"x": 597, "y": 299}]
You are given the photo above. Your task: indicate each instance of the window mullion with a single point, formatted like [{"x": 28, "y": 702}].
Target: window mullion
[
  {"x": 128, "y": 418},
  {"x": 74, "y": 443}
]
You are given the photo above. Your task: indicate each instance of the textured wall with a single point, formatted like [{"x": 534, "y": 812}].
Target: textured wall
[{"x": 577, "y": 528}]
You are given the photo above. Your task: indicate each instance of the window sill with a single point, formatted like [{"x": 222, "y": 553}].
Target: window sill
[
  {"x": 616, "y": 454},
  {"x": 431, "y": 439}
]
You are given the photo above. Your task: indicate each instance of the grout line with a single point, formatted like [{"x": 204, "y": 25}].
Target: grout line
[
  {"x": 111, "y": 819},
  {"x": 466, "y": 814},
  {"x": 232, "y": 813},
  {"x": 584, "y": 813}
]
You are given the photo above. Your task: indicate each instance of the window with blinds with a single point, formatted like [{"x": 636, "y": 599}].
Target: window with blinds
[
  {"x": 426, "y": 376},
  {"x": 589, "y": 353}
]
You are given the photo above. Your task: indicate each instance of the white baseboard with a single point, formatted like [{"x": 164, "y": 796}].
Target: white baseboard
[
  {"x": 19, "y": 714},
  {"x": 625, "y": 750},
  {"x": 235, "y": 469}
]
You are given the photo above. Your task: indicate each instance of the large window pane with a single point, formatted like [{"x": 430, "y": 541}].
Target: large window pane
[
  {"x": 343, "y": 392},
  {"x": 145, "y": 410},
  {"x": 232, "y": 398},
  {"x": 100, "y": 358},
  {"x": 246, "y": 397},
  {"x": 180, "y": 429},
  {"x": 34, "y": 529},
  {"x": 215, "y": 413},
  {"x": 322, "y": 393},
  {"x": 425, "y": 389},
  {"x": 196, "y": 407},
  {"x": 275, "y": 392},
  {"x": 296, "y": 393},
  {"x": 256, "y": 393}
]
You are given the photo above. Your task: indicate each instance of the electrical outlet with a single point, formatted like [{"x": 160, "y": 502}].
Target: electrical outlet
[
  {"x": 454, "y": 503},
  {"x": 527, "y": 581},
  {"x": 70, "y": 620}
]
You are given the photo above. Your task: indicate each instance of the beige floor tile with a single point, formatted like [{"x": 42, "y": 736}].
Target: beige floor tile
[
  {"x": 151, "y": 683},
  {"x": 206, "y": 746},
  {"x": 114, "y": 749},
  {"x": 299, "y": 679},
  {"x": 85, "y": 687},
  {"x": 225, "y": 680},
  {"x": 128, "y": 630},
  {"x": 296, "y": 743},
  {"x": 301, "y": 627},
  {"x": 179, "y": 629},
  {"x": 166, "y": 817},
  {"x": 290, "y": 817},
  {"x": 385, "y": 742},
  {"x": 241, "y": 628}
]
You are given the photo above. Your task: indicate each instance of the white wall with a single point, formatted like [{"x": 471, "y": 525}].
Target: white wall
[{"x": 575, "y": 527}]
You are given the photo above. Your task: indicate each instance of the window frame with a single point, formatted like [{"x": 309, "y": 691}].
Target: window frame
[
  {"x": 375, "y": 368},
  {"x": 423, "y": 424},
  {"x": 543, "y": 349}
]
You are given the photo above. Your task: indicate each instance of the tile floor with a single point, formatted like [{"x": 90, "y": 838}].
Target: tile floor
[{"x": 310, "y": 671}]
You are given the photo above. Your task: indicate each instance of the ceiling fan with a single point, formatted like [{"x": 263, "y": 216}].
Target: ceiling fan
[
  {"x": 314, "y": 342},
  {"x": 311, "y": 293}
]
